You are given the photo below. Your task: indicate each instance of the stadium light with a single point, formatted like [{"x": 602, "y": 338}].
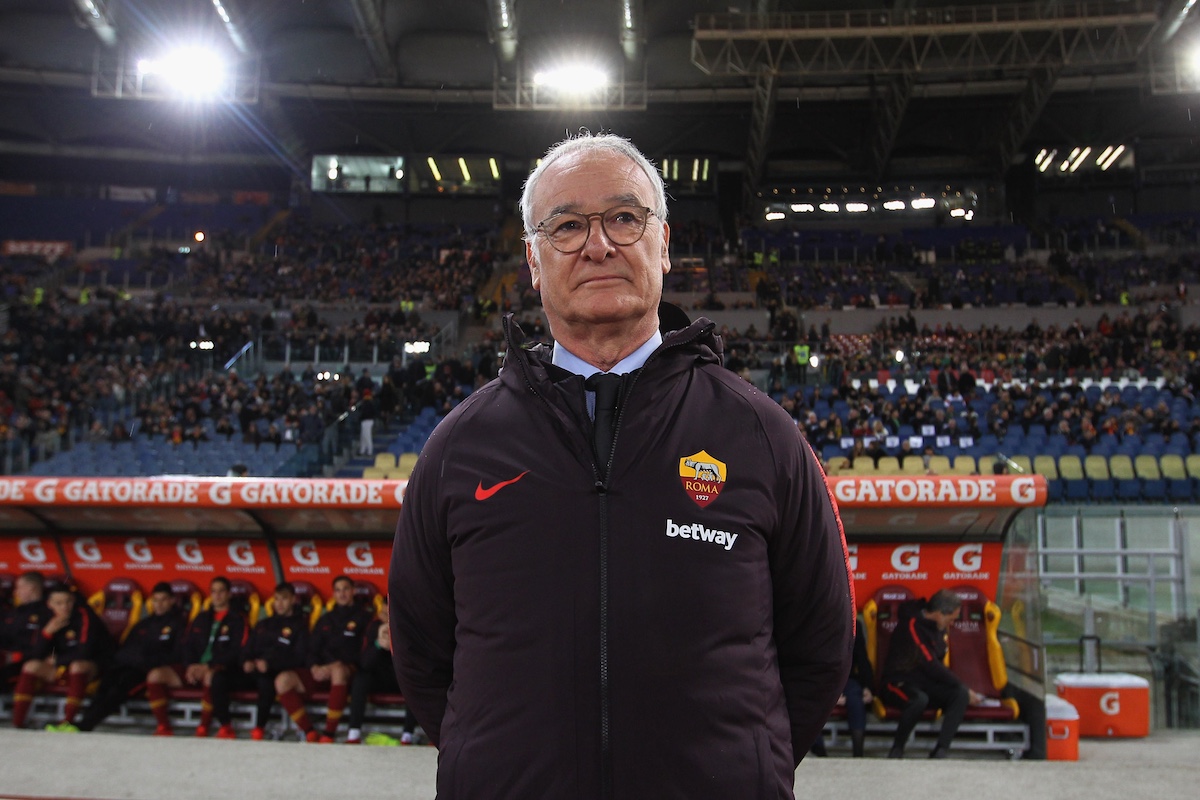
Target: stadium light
[
  {"x": 191, "y": 73},
  {"x": 899, "y": 356},
  {"x": 923, "y": 202},
  {"x": 572, "y": 79},
  {"x": 462, "y": 165},
  {"x": 199, "y": 236},
  {"x": 803, "y": 208},
  {"x": 433, "y": 167},
  {"x": 495, "y": 169},
  {"x": 895, "y": 205},
  {"x": 829, "y": 208},
  {"x": 774, "y": 216},
  {"x": 857, "y": 208}
]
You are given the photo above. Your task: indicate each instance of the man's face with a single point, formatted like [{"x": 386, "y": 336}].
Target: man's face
[
  {"x": 25, "y": 591},
  {"x": 944, "y": 621},
  {"x": 343, "y": 593},
  {"x": 219, "y": 593},
  {"x": 284, "y": 603},
  {"x": 161, "y": 603},
  {"x": 61, "y": 604},
  {"x": 603, "y": 283}
]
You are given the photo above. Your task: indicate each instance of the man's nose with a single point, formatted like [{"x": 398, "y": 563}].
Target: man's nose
[{"x": 598, "y": 243}]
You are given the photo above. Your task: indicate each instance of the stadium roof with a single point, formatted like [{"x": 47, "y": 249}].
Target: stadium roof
[{"x": 778, "y": 89}]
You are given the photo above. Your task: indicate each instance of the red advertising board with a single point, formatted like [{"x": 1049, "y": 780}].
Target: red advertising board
[
  {"x": 924, "y": 567},
  {"x": 319, "y": 562},
  {"x": 95, "y": 560},
  {"x": 30, "y": 553}
]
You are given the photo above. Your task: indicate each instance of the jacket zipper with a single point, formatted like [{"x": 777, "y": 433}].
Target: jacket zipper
[{"x": 601, "y": 484}]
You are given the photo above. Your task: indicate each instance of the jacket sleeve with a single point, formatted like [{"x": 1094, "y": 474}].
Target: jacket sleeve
[
  {"x": 813, "y": 591},
  {"x": 421, "y": 598},
  {"x": 928, "y": 658}
]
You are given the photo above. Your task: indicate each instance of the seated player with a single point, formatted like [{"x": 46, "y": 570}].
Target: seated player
[
  {"x": 915, "y": 677},
  {"x": 337, "y": 645},
  {"x": 278, "y": 647},
  {"x": 375, "y": 674},
  {"x": 212, "y": 651},
  {"x": 21, "y": 625},
  {"x": 72, "y": 648},
  {"x": 151, "y": 643}
]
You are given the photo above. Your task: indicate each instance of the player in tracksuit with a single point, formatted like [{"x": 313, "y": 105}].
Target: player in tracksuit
[
  {"x": 73, "y": 647},
  {"x": 151, "y": 643},
  {"x": 376, "y": 674},
  {"x": 337, "y": 644},
  {"x": 21, "y": 625},
  {"x": 211, "y": 658},
  {"x": 278, "y": 644}
]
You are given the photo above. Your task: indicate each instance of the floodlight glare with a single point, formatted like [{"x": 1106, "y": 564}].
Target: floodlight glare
[
  {"x": 803, "y": 208},
  {"x": 923, "y": 202},
  {"x": 495, "y": 169},
  {"x": 857, "y": 208},
  {"x": 958, "y": 212},
  {"x": 895, "y": 205},
  {"x": 829, "y": 208},
  {"x": 190, "y": 72},
  {"x": 773, "y": 216},
  {"x": 199, "y": 237},
  {"x": 574, "y": 79}
]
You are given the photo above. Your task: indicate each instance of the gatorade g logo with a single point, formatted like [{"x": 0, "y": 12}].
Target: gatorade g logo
[
  {"x": 1110, "y": 703},
  {"x": 359, "y": 554},
  {"x": 1023, "y": 490},
  {"x": 31, "y": 550},
  {"x": 241, "y": 554},
  {"x": 906, "y": 558},
  {"x": 189, "y": 551},
  {"x": 305, "y": 553},
  {"x": 138, "y": 550},
  {"x": 702, "y": 477},
  {"x": 87, "y": 550},
  {"x": 852, "y": 550},
  {"x": 968, "y": 558}
]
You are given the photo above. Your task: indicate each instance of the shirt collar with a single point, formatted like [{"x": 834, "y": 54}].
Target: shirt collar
[{"x": 564, "y": 358}]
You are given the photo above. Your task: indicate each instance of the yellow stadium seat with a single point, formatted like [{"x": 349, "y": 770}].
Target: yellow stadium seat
[
  {"x": 863, "y": 465},
  {"x": 1095, "y": 467},
  {"x": 385, "y": 461},
  {"x": 1146, "y": 468},
  {"x": 1120, "y": 466},
  {"x": 1024, "y": 462},
  {"x": 964, "y": 465},
  {"x": 913, "y": 465},
  {"x": 837, "y": 465},
  {"x": 1070, "y": 467},
  {"x": 888, "y": 465},
  {"x": 1172, "y": 467},
  {"x": 407, "y": 461},
  {"x": 1044, "y": 465},
  {"x": 986, "y": 465},
  {"x": 374, "y": 473},
  {"x": 939, "y": 465}
]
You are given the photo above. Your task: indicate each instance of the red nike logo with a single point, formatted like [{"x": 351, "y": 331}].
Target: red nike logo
[{"x": 483, "y": 494}]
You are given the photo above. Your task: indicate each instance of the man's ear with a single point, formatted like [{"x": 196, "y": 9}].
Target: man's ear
[{"x": 534, "y": 269}]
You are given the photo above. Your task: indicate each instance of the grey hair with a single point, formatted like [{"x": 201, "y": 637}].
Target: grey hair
[
  {"x": 944, "y": 601},
  {"x": 587, "y": 142}
]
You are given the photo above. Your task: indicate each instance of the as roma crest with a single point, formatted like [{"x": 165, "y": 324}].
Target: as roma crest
[{"x": 702, "y": 476}]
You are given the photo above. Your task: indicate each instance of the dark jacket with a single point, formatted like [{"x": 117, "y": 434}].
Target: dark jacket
[
  {"x": 228, "y": 639},
  {"x": 340, "y": 635},
  {"x": 20, "y": 628},
  {"x": 282, "y": 641},
  {"x": 85, "y": 638},
  {"x": 917, "y": 650},
  {"x": 680, "y": 629},
  {"x": 153, "y": 641}
]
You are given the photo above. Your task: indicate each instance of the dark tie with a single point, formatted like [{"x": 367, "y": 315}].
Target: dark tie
[{"x": 608, "y": 392}]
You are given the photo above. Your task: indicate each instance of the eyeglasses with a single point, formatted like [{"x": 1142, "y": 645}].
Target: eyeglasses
[{"x": 568, "y": 231}]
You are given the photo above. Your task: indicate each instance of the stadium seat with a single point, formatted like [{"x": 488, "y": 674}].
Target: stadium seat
[
  {"x": 837, "y": 465},
  {"x": 1096, "y": 469},
  {"x": 1179, "y": 485},
  {"x": 976, "y": 656},
  {"x": 913, "y": 465},
  {"x": 880, "y": 615},
  {"x": 119, "y": 604},
  {"x": 1045, "y": 466},
  {"x": 1154, "y": 486},
  {"x": 374, "y": 473},
  {"x": 964, "y": 465},
  {"x": 1024, "y": 463},
  {"x": 187, "y": 597},
  {"x": 986, "y": 464},
  {"x": 385, "y": 461},
  {"x": 1128, "y": 487},
  {"x": 244, "y": 597},
  {"x": 1075, "y": 482},
  {"x": 888, "y": 465},
  {"x": 939, "y": 465}
]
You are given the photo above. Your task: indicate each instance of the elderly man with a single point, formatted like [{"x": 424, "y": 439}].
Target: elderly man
[{"x": 618, "y": 572}]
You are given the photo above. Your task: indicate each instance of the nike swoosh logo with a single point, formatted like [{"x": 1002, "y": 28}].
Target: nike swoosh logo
[{"x": 483, "y": 494}]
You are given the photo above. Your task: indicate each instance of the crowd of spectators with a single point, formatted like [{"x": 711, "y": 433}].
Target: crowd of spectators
[{"x": 119, "y": 366}]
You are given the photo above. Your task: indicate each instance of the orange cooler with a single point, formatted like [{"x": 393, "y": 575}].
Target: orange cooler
[
  {"x": 1109, "y": 703},
  {"x": 1062, "y": 730}
]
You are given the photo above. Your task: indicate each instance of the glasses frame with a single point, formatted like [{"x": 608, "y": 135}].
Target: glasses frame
[{"x": 540, "y": 228}]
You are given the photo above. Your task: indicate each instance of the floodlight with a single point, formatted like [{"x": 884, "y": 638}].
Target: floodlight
[
  {"x": 923, "y": 202},
  {"x": 433, "y": 167},
  {"x": 814, "y": 361},
  {"x": 462, "y": 165},
  {"x": 773, "y": 216},
  {"x": 495, "y": 169},
  {"x": 199, "y": 237},
  {"x": 895, "y": 205},
  {"x": 829, "y": 208},
  {"x": 193, "y": 73},
  {"x": 573, "y": 79},
  {"x": 899, "y": 356},
  {"x": 857, "y": 208},
  {"x": 803, "y": 208}
]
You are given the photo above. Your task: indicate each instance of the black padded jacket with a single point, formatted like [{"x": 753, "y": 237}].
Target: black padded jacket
[{"x": 678, "y": 630}]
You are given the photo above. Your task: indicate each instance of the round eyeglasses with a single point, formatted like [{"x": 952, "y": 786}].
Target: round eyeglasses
[{"x": 568, "y": 231}]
